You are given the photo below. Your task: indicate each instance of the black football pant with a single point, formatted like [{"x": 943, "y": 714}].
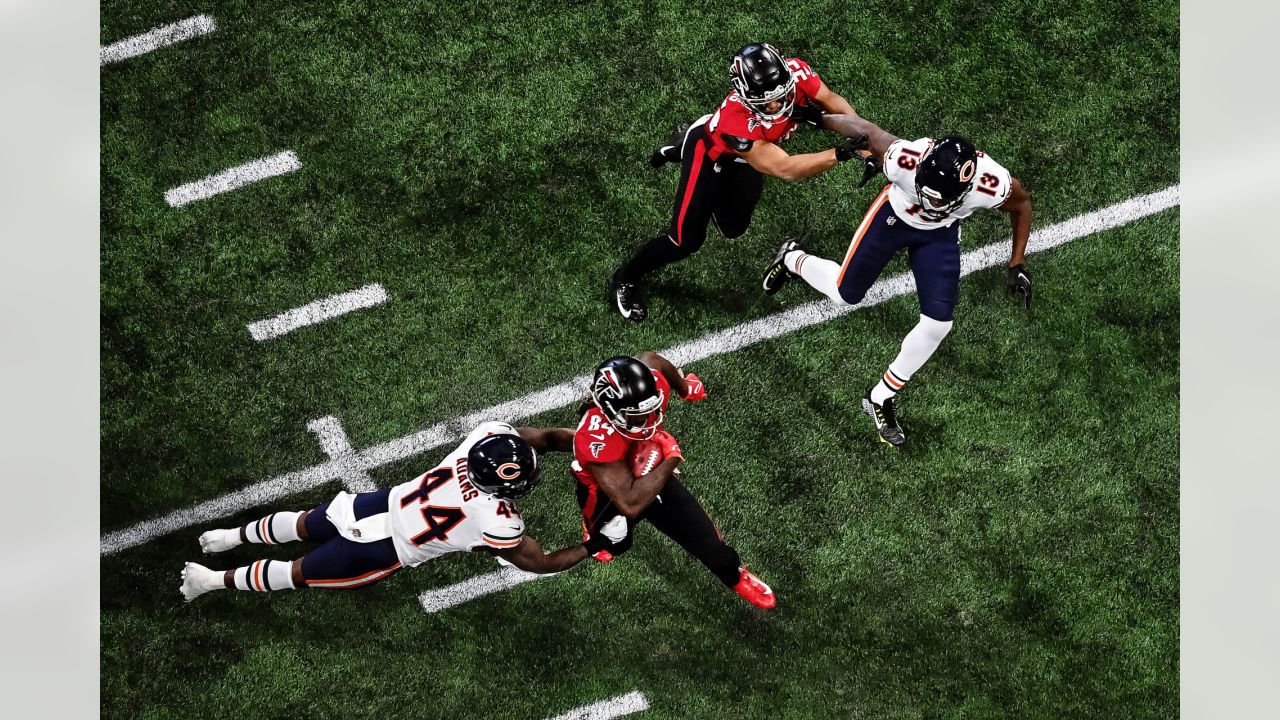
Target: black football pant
[
  {"x": 677, "y": 514},
  {"x": 724, "y": 191}
]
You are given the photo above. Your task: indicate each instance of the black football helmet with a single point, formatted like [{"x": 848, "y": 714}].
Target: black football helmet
[
  {"x": 945, "y": 175},
  {"x": 504, "y": 466},
  {"x": 760, "y": 75},
  {"x": 626, "y": 392}
]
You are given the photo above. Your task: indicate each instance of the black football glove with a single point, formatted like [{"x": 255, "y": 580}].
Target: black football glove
[
  {"x": 1018, "y": 283},
  {"x": 810, "y": 115},
  {"x": 848, "y": 149},
  {"x": 869, "y": 171}
]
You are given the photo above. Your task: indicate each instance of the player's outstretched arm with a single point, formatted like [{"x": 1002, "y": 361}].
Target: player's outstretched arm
[
  {"x": 769, "y": 159},
  {"x": 833, "y": 102},
  {"x": 1018, "y": 205},
  {"x": 529, "y": 556},
  {"x": 689, "y": 387},
  {"x": 853, "y": 126},
  {"x": 547, "y": 439},
  {"x": 630, "y": 494}
]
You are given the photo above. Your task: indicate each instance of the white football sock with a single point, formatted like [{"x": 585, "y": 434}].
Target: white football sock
[
  {"x": 917, "y": 347},
  {"x": 274, "y": 528},
  {"x": 265, "y": 575},
  {"x": 823, "y": 275}
]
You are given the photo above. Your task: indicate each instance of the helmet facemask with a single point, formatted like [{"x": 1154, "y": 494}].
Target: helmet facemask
[
  {"x": 639, "y": 422},
  {"x": 758, "y": 103},
  {"x": 933, "y": 205},
  {"x": 758, "y": 99},
  {"x": 937, "y": 202}
]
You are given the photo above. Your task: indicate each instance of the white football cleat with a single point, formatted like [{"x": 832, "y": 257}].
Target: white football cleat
[
  {"x": 198, "y": 580},
  {"x": 216, "y": 541}
]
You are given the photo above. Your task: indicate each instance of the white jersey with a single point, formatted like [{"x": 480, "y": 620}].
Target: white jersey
[
  {"x": 991, "y": 185},
  {"x": 440, "y": 512}
]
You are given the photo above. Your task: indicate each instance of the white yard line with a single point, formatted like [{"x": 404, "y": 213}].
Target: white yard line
[
  {"x": 232, "y": 178},
  {"x": 739, "y": 336},
  {"x": 472, "y": 588},
  {"x": 632, "y": 702},
  {"x": 318, "y": 311},
  {"x": 334, "y": 443},
  {"x": 162, "y": 36}
]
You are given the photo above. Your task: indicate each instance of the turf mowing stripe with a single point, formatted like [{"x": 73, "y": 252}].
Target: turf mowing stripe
[
  {"x": 632, "y": 702},
  {"x": 162, "y": 36},
  {"x": 318, "y": 311},
  {"x": 558, "y": 396},
  {"x": 232, "y": 178},
  {"x": 334, "y": 443}
]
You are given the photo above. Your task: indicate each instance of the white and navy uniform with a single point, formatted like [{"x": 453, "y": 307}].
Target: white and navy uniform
[
  {"x": 369, "y": 536},
  {"x": 899, "y": 219}
]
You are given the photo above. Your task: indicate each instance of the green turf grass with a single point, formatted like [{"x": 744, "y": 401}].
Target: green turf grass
[{"x": 486, "y": 164}]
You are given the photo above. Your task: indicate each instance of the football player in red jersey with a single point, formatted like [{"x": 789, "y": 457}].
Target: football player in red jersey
[
  {"x": 624, "y": 417},
  {"x": 724, "y": 157}
]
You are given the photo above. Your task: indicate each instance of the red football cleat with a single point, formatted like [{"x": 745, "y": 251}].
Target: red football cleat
[
  {"x": 754, "y": 590},
  {"x": 603, "y": 556}
]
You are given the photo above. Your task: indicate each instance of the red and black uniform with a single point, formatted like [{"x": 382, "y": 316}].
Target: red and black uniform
[
  {"x": 716, "y": 183},
  {"x": 675, "y": 512}
]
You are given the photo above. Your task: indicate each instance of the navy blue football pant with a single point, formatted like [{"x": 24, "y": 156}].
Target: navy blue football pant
[
  {"x": 342, "y": 563},
  {"x": 934, "y": 256}
]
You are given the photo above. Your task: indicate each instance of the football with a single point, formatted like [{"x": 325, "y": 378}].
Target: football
[{"x": 645, "y": 456}]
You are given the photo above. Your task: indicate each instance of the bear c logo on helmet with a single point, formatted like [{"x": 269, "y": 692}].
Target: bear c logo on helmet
[{"x": 508, "y": 471}]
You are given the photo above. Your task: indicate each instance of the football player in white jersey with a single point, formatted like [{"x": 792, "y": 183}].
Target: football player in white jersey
[
  {"x": 933, "y": 185},
  {"x": 464, "y": 503}
]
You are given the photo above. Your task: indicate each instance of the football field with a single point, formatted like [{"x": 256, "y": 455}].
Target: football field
[{"x": 335, "y": 235}]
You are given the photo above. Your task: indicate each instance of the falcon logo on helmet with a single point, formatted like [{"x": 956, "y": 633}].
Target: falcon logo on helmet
[
  {"x": 945, "y": 176},
  {"x": 504, "y": 466},
  {"x": 760, "y": 75},
  {"x": 624, "y": 390}
]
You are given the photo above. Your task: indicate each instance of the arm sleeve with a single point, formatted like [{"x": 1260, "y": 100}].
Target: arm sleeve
[
  {"x": 990, "y": 171},
  {"x": 891, "y": 169},
  {"x": 504, "y": 534}
]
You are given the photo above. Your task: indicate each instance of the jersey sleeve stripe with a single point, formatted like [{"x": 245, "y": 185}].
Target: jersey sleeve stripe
[
  {"x": 497, "y": 544},
  {"x": 517, "y": 536}
]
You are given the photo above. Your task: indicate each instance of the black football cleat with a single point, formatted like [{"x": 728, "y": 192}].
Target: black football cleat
[
  {"x": 777, "y": 274},
  {"x": 625, "y": 299},
  {"x": 670, "y": 151},
  {"x": 886, "y": 417}
]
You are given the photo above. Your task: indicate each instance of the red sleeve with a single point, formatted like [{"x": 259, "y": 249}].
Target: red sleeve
[
  {"x": 806, "y": 79},
  {"x": 663, "y": 386},
  {"x": 601, "y": 445}
]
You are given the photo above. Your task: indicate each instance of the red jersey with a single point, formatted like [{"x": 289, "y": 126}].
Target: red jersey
[
  {"x": 597, "y": 441},
  {"x": 733, "y": 127}
]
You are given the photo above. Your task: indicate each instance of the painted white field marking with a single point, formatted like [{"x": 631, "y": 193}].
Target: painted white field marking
[
  {"x": 232, "y": 178},
  {"x": 318, "y": 311},
  {"x": 472, "y": 588},
  {"x": 334, "y": 443},
  {"x": 632, "y": 702},
  {"x": 558, "y": 396},
  {"x": 162, "y": 36}
]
